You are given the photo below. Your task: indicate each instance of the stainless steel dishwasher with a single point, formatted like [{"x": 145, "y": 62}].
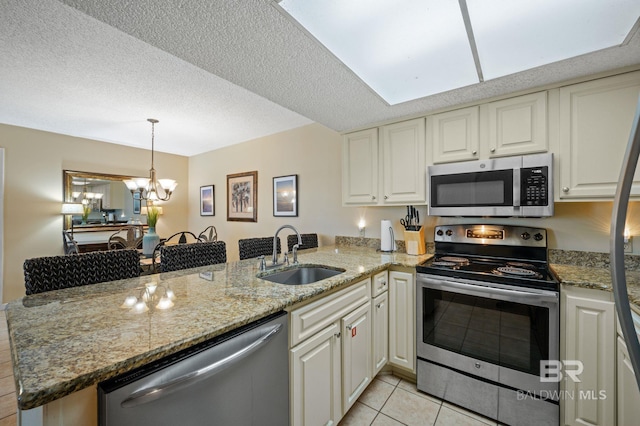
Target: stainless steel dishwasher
[{"x": 239, "y": 378}]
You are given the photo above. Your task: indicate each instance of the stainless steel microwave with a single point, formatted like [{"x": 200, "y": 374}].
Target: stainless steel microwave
[{"x": 520, "y": 186}]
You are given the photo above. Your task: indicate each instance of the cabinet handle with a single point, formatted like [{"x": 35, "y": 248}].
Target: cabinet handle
[
  {"x": 474, "y": 152},
  {"x": 492, "y": 150},
  {"x": 565, "y": 189},
  {"x": 373, "y": 197},
  {"x": 385, "y": 197},
  {"x": 379, "y": 305},
  {"x": 338, "y": 335},
  {"x": 349, "y": 327},
  {"x": 382, "y": 284}
]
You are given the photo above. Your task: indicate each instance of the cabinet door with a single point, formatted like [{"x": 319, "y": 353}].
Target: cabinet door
[
  {"x": 402, "y": 309},
  {"x": 589, "y": 334},
  {"x": 518, "y": 125},
  {"x": 360, "y": 167},
  {"x": 595, "y": 123},
  {"x": 356, "y": 354},
  {"x": 454, "y": 135},
  {"x": 628, "y": 396},
  {"x": 315, "y": 379},
  {"x": 117, "y": 195},
  {"x": 380, "y": 331},
  {"x": 404, "y": 162}
]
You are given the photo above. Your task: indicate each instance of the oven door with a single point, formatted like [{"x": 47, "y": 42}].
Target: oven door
[{"x": 495, "y": 332}]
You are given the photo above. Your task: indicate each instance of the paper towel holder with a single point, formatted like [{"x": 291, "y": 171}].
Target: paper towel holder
[{"x": 393, "y": 242}]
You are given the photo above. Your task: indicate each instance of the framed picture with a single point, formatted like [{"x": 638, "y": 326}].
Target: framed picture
[
  {"x": 285, "y": 195},
  {"x": 207, "y": 201},
  {"x": 242, "y": 197},
  {"x": 136, "y": 203}
]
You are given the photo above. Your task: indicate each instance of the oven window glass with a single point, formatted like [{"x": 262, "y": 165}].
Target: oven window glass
[
  {"x": 492, "y": 188},
  {"x": 508, "y": 334}
]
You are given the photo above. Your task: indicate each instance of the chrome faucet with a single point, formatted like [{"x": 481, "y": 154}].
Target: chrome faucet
[{"x": 274, "y": 259}]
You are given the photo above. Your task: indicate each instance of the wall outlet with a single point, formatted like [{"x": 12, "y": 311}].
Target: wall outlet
[{"x": 628, "y": 246}]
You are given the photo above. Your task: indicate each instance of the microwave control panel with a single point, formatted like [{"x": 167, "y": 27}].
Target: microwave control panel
[{"x": 534, "y": 186}]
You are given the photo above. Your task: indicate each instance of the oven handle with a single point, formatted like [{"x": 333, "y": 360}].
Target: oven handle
[{"x": 485, "y": 291}]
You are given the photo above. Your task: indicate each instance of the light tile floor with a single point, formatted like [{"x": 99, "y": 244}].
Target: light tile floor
[{"x": 392, "y": 401}]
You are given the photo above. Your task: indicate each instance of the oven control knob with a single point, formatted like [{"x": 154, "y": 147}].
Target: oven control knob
[
  {"x": 525, "y": 235},
  {"x": 538, "y": 237},
  {"x": 439, "y": 232},
  {"x": 449, "y": 232}
]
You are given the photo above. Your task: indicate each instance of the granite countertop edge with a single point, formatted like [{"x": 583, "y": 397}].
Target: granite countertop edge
[{"x": 33, "y": 392}]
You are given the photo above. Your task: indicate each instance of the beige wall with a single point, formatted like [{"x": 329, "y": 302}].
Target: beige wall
[
  {"x": 34, "y": 161},
  {"x": 313, "y": 153}
]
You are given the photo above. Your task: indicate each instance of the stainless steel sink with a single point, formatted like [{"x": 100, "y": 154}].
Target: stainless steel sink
[{"x": 302, "y": 275}]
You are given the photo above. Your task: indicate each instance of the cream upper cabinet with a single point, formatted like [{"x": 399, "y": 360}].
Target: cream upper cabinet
[
  {"x": 360, "y": 167},
  {"x": 386, "y": 172},
  {"x": 404, "y": 162},
  {"x": 595, "y": 121},
  {"x": 588, "y": 335},
  {"x": 514, "y": 126},
  {"x": 518, "y": 126},
  {"x": 454, "y": 135}
]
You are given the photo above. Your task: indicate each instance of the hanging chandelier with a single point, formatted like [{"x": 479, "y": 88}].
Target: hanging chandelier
[{"x": 152, "y": 189}]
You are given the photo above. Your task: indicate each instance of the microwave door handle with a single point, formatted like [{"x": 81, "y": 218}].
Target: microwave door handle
[
  {"x": 516, "y": 187},
  {"x": 483, "y": 291}
]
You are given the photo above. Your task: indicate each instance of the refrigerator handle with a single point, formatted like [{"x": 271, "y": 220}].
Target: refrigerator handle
[
  {"x": 618, "y": 220},
  {"x": 152, "y": 393}
]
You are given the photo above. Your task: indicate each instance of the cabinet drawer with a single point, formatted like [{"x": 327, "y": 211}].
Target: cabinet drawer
[
  {"x": 380, "y": 283},
  {"x": 315, "y": 316}
]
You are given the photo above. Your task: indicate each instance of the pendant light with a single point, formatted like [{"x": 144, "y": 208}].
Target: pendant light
[{"x": 152, "y": 189}]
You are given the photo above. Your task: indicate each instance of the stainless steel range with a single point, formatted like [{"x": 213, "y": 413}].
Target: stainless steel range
[{"x": 488, "y": 322}]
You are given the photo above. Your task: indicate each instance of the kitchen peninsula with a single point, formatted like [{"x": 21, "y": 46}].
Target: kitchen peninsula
[{"x": 67, "y": 340}]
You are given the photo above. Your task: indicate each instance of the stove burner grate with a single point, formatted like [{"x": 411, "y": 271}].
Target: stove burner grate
[
  {"x": 443, "y": 263},
  {"x": 514, "y": 271},
  {"x": 454, "y": 259}
]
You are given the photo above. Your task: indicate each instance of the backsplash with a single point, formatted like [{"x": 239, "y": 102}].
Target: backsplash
[
  {"x": 590, "y": 259},
  {"x": 374, "y": 243},
  {"x": 562, "y": 257}
]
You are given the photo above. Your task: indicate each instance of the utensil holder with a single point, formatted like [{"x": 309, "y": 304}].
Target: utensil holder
[{"x": 414, "y": 242}]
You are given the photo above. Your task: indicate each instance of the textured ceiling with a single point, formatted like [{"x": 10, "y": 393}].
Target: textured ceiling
[{"x": 214, "y": 73}]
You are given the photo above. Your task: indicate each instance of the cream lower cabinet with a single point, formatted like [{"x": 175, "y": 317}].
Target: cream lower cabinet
[
  {"x": 356, "y": 354},
  {"x": 380, "y": 321},
  {"x": 330, "y": 356},
  {"x": 588, "y": 335},
  {"x": 628, "y": 395},
  {"x": 402, "y": 339},
  {"x": 315, "y": 371}
]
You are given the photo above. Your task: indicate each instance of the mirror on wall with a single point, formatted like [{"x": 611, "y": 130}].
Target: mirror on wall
[{"x": 105, "y": 198}]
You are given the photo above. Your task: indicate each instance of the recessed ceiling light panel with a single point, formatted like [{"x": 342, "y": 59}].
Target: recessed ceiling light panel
[
  {"x": 402, "y": 50},
  {"x": 513, "y": 36}
]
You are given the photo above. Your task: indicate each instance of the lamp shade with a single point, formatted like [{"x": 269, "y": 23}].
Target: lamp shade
[
  {"x": 71, "y": 208},
  {"x": 144, "y": 210}
]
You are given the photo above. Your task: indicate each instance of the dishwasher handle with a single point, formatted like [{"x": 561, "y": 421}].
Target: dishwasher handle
[{"x": 152, "y": 393}]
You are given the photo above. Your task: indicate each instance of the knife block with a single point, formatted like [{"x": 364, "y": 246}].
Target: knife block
[{"x": 414, "y": 242}]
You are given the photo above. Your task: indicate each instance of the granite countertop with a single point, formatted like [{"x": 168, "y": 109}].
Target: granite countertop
[
  {"x": 598, "y": 278},
  {"x": 65, "y": 340}
]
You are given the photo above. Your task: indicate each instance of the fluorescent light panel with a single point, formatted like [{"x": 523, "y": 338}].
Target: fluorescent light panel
[{"x": 409, "y": 49}]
